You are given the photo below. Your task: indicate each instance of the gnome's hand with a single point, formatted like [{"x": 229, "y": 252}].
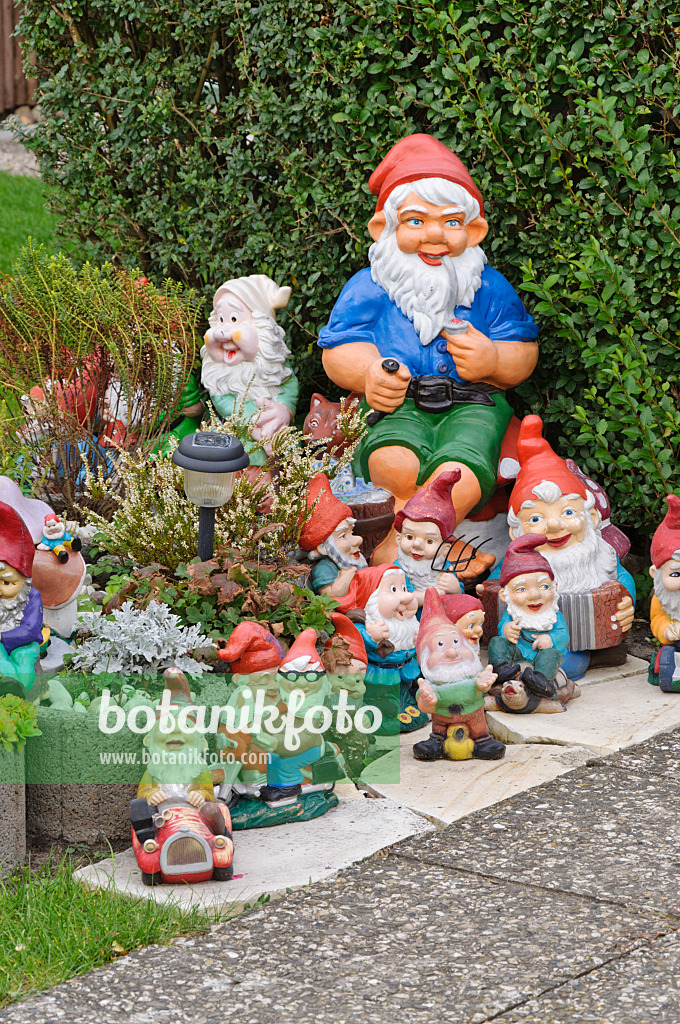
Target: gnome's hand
[
  {"x": 273, "y": 417},
  {"x": 542, "y": 642},
  {"x": 385, "y": 391},
  {"x": 625, "y": 613},
  {"x": 157, "y": 798},
  {"x": 426, "y": 698},
  {"x": 447, "y": 583},
  {"x": 511, "y": 632},
  {"x": 486, "y": 679},
  {"x": 378, "y": 630},
  {"x": 196, "y": 799},
  {"x": 475, "y": 355},
  {"x": 672, "y": 633}
]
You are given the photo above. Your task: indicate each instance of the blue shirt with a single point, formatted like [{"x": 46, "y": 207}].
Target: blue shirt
[
  {"x": 559, "y": 634},
  {"x": 364, "y": 312}
]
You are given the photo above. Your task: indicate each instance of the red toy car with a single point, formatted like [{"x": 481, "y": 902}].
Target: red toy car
[{"x": 177, "y": 844}]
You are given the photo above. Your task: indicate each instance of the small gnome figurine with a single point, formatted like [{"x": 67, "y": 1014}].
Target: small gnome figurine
[
  {"x": 328, "y": 539},
  {"x": 254, "y": 655},
  {"x": 245, "y": 358},
  {"x": 21, "y": 609},
  {"x": 451, "y": 689},
  {"x": 57, "y": 539},
  {"x": 665, "y": 607},
  {"x": 300, "y": 670},
  {"x": 467, "y": 613},
  {"x": 421, "y": 526},
  {"x": 532, "y": 628}
]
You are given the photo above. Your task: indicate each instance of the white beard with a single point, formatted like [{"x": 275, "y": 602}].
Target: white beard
[
  {"x": 538, "y": 622},
  {"x": 584, "y": 567},
  {"x": 256, "y": 380},
  {"x": 331, "y": 550},
  {"x": 420, "y": 574},
  {"x": 12, "y": 608},
  {"x": 449, "y": 673},
  {"x": 424, "y": 294},
  {"x": 403, "y": 632},
  {"x": 669, "y": 599}
]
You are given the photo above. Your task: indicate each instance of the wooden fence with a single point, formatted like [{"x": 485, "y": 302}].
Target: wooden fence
[{"x": 15, "y": 88}]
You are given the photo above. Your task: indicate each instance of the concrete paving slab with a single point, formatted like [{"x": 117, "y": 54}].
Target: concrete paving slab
[
  {"x": 640, "y": 988},
  {"x": 601, "y": 832},
  {"x": 661, "y": 758},
  {"x": 390, "y": 940},
  {"x": 277, "y": 859},
  {"x": 606, "y": 717},
  {"x": 444, "y": 791},
  {"x": 632, "y": 667}
]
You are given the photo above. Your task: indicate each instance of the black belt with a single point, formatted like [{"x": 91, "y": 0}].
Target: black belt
[{"x": 440, "y": 394}]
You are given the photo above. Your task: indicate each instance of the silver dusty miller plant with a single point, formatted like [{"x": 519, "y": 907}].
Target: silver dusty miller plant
[{"x": 139, "y": 640}]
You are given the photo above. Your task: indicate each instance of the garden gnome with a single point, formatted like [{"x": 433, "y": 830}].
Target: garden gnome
[
  {"x": 532, "y": 628},
  {"x": 245, "y": 358},
  {"x": 451, "y": 689},
  {"x": 300, "y": 672},
  {"x": 389, "y": 633},
  {"x": 444, "y": 406},
  {"x": 328, "y": 539},
  {"x": 57, "y": 539},
  {"x": 466, "y": 612},
  {"x": 254, "y": 655},
  {"x": 176, "y": 767},
  {"x": 665, "y": 608},
  {"x": 548, "y": 499},
  {"x": 421, "y": 527},
  {"x": 346, "y": 667},
  {"x": 21, "y": 610}
]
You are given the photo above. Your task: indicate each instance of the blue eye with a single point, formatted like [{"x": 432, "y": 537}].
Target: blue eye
[
  {"x": 545, "y": 586},
  {"x": 535, "y": 519},
  {"x": 452, "y": 224},
  {"x": 414, "y": 222}
]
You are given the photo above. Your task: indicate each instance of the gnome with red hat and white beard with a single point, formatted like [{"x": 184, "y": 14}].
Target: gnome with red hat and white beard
[
  {"x": 421, "y": 527},
  {"x": 21, "y": 609},
  {"x": 455, "y": 327},
  {"x": 548, "y": 499},
  {"x": 389, "y": 629},
  {"x": 245, "y": 358},
  {"x": 451, "y": 689},
  {"x": 329, "y": 541},
  {"x": 664, "y": 613}
]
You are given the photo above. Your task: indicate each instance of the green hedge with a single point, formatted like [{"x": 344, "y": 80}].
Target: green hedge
[{"x": 210, "y": 137}]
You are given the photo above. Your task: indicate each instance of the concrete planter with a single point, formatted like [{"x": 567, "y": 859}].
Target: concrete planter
[{"x": 12, "y": 809}]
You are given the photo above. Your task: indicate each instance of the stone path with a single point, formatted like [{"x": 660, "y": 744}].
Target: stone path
[{"x": 539, "y": 889}]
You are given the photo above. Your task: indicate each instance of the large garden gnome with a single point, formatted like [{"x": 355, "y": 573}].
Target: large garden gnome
[
  {"x": 548, "y": 499},
  {"x": 421, "y": 527},
  {"x": 445, "y": 401},
  {"x": 665, "y": 608},
  {"x": 245, "y": 357},
  {"x": 389, "y": 633},
  {"x": 21, "y": 610},
  {"x": 329, "y": 541},
  {"x": 452, "y": 689}
]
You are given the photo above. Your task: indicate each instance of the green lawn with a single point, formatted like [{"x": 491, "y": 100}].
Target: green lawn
[{"x": 23, "y": 215}]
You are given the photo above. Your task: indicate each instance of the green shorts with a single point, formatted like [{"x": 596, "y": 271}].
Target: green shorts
[{"x": 469, "y": 434}]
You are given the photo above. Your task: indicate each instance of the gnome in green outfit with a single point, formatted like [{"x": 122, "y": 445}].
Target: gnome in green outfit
[{"x": 245, "y": 358}]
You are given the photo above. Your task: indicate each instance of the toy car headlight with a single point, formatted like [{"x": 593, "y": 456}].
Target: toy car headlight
[
  {"x": 220, "y": 842},
  {"x": 150, "y": 846}
]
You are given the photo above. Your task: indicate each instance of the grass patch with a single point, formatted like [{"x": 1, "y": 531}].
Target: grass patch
[
  {"x": 22, "y": 201},
  {"x": 52, "y": 928}
]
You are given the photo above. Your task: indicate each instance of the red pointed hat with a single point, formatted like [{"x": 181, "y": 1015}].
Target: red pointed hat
[
  {"x": 458, "y": 605},
  {"x": 432, "y": 504},
  {"x": 522, "y": 556},
  {"x": 251, "y": 648},
  {"x": 538, "y": 462},
  {"x": 666, "y": 539},
  {"x": 415, "y": 157},
  {"x": 304, "y": 644},
  {"x": 434, "y": 617},
  {"x": 327, "y": 515},
  {"x": 16, "y": 543},
  {"x": 344, "y": 627},
  {"x": 364, "y": 583}
]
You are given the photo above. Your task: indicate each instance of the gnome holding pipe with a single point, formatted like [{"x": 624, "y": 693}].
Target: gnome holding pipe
[
  {"x": 21, "y": 609},
  {"x": 245, "y": 358}
]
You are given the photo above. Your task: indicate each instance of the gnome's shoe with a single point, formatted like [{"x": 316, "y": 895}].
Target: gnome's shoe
[
  {"x": 505, "y": 670},
  {"x": 141, "y": 819},
  {"x": 488, "y": 749},
  {"x": 431, "y": 749},
  {"x": 280, "y": 796},
  {"x": 538, "y": 683}
]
